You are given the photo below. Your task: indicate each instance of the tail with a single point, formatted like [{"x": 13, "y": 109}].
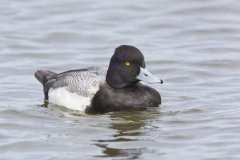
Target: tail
[{"x": 42, "y": 76}]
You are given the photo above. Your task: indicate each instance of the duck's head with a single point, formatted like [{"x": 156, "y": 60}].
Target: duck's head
[{"x": 127, "y": 66}]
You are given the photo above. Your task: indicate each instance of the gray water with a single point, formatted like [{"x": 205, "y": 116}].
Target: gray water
[{"x": 193, "y": 45}]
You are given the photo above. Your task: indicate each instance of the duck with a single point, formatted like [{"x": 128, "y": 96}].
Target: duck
[{"x": 122, "y": 86}]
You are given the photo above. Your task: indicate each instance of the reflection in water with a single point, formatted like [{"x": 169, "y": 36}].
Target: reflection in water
[
  {"x": 129, "y": 127},
  {"x": 124, "y": 136},
  {"x": 126, "y": 129}
]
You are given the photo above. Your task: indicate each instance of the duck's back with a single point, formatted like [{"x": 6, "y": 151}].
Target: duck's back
[{"x": 84, "y": 82}]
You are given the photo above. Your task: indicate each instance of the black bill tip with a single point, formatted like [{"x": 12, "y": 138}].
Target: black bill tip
[{"x": 161, "y": 81}]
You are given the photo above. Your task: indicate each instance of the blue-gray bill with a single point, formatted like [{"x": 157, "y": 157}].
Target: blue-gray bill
[{"x": 147, "y": 77}]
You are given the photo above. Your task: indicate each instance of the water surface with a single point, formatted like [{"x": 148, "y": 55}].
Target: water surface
[{"x": 193, "y": 45}]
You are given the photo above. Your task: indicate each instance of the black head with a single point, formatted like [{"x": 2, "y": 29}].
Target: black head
[{"x": 124, "y": 66}]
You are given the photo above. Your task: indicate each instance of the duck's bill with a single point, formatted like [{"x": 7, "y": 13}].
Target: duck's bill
[{"x": 147, "y": 77}]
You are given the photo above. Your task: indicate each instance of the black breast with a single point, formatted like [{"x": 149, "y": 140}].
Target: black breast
[{"x": 109, "y": 99}]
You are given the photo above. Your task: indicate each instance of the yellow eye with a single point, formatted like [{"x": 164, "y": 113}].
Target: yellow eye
[{"x": 127, "y": 63}]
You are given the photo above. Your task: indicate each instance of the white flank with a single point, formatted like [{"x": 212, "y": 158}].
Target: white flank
[{"x": 62, "y": 97}]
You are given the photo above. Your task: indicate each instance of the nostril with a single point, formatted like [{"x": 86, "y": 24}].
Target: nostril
[{"x": 146, "y": 74}]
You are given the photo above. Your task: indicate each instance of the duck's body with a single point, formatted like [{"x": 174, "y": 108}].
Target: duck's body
[{"x": 89, "y": 90}]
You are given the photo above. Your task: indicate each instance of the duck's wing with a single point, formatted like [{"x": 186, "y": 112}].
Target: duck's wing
[{"x": 84, "y": 82}]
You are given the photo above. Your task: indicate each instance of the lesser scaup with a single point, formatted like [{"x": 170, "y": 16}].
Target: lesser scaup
[{"x": 96, "y": 89}]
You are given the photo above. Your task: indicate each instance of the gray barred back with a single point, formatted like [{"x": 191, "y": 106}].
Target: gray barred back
[{"x": 84, "y": 82}]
